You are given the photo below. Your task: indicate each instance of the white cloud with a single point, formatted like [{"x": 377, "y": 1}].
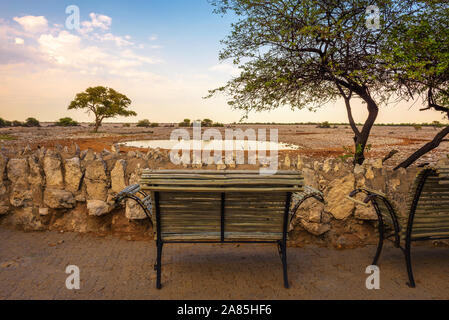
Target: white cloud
[
  {"x": 97, "y": 53},
  {"x": 119, "y": 41},
  {"x": 131, "y": 55},
  {"x": 226, "y": 68},
  {"x": 152, "y": 38},
  {"x": 99, "y": 21},
  {"x": 66, "y": 50},
  {"x": 69, "y": 51},
  {"x": 33, "y": 24}
]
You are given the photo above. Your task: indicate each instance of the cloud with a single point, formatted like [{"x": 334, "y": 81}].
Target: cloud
[
  {"x": 119, "y": 41},
  {"x": 14, "y": 48},
  {"x": 131, "y": 55},
  {"x": 66, "y": 50},
  {"x": 93, "y": 52},
  {"x": 152, "y": 37},
  {"x": 32, "y": 24},
  {"x": 97, "y": 29},
  {"x": 99, "y": 21},
  {"x": 226, "y": 68},
  {"x": 71, "y": 51}
]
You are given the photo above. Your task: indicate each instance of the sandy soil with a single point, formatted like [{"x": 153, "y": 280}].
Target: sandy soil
[
  {"x": 313, "y": 142},
  {"x": 32, "y": 266}
]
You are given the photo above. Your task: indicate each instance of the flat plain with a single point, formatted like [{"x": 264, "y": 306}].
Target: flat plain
[{"x": 312, "y": 142}]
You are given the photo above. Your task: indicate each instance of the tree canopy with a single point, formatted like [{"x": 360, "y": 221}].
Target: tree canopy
[
  {"x": 418, "y": 54},
  {"x": 304, "y": 54},
  {"x": 103, "y": 102}
]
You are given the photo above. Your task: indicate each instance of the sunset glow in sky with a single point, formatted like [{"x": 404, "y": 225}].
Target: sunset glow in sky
[{"x": 162, "y": 54}]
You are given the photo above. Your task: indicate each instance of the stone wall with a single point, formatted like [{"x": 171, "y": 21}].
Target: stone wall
[{"x": 72, "y": 190}]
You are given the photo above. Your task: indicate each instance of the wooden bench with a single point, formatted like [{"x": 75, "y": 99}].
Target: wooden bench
[
  {"x": 219, "y": 207},
  {"x": 427, "y": 219}
]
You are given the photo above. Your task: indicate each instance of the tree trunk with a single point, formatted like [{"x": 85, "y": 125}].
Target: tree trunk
[
  {"x": 97, "y": 125},
  {"x": 361, "y": 139},
  {"x": 425, "y": 149}
]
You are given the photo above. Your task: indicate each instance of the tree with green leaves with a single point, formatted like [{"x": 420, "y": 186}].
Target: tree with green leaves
[
  {"x": 66, "y": 122},
  {"x": 419, "y": 56},
  {"x": 103, "y": 102},
  {"x": 185, "y": 123},
  {"x": 145, "y": 123},
  {"x": 32, "y": 122},
  {"x": 306, "y": 53},
  {"x": 207, "y": 123}
]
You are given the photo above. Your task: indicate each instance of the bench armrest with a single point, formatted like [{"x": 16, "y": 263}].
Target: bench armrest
[
  {"x": 132, "y": 192},
  {"x": 299, "y": 198},
  {"x": 373, "y": 197},
  {"x": 125, "y": 193},
  {"x": 362, "y": 203}
]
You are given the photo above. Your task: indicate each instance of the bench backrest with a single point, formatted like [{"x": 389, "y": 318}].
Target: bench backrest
[
  {"x": 220, "y": 205},
  {"x": 431, "y": 217}
]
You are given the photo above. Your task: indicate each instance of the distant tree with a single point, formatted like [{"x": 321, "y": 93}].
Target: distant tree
[
  {"x": 207, "y": 123},
  {"x": 103, "y": 102},
  {"x": 17, "y": 123},
  {"x": 144, "y": 123},
  {"x": 304, "y": 54},
  {"x": 66, "y": 122},
  {"x": 324, "y": 125},
  {"x": 419, "y": 55},
  {"x": 32, "y": 122},
  {"x": 438, "y": 124},
  {"x": 185, "y": 123},
  {"x": 3, "y": 123}
]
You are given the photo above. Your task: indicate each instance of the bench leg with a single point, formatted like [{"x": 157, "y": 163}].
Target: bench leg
[
  {"x": 379, "y": 245},
  {"x": 283, "y": 254},
  {"x": 158, "y": 265},
  {"x": 408, "y": 261}
]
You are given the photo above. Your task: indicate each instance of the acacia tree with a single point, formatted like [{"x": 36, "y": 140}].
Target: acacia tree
[
  {"x": 103, "y": 102},
  {"x": 306, "y": 53},
  {"x": 419, "y": 56}
]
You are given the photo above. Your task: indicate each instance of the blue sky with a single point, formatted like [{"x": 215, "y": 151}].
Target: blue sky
[
  {"x": 186, "y": 29},
  {"x": 161, "y": 54}
]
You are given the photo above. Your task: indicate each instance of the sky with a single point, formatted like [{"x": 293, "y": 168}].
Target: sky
[{"x": 162, "y": 54}]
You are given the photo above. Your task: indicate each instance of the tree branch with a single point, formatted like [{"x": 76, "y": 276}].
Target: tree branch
[{"x": 425, "y": 149}]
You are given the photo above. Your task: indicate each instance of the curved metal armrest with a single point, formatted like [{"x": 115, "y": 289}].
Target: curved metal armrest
[
  {"x": 312, "y": 192},
  {"x": 300, "y": 197},
  {"x": 373, "y": 196},
  {"x": 362, "y": 203},
  {"x": 125, "y": 193},
  {"x": 131, "y": 192}
]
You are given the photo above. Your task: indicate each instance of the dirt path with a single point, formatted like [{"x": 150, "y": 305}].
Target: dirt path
[{"x": 32, "y": 266}]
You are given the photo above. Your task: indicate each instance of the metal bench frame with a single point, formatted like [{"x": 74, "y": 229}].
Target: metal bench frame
[
  {"x": 374, "y": 197},
  {"x": 146, "y": 204}
]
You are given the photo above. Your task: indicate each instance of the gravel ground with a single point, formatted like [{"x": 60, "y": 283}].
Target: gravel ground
[
  {"x": 313, "y": 142},
  {"x": 32, "y": 266}
]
